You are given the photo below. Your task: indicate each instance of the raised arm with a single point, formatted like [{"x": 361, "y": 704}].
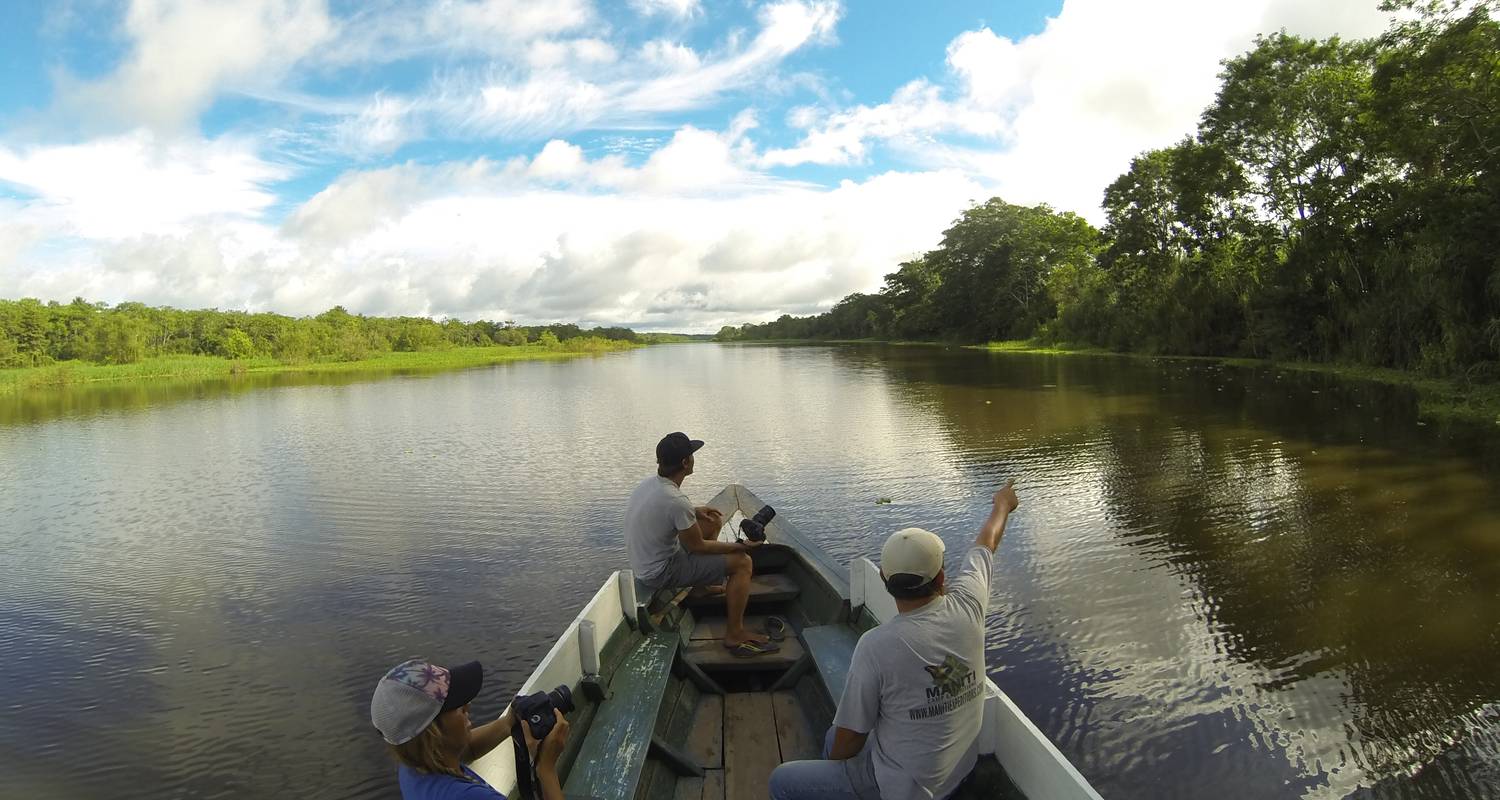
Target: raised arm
[
  {"x": 486, "y": 737},
  {"x": 1004, "y": 502}
]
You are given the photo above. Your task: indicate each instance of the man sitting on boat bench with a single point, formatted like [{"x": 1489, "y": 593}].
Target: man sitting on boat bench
[
  {"x": 907, "y": 726},
  {"x": 672, "y": 544}
]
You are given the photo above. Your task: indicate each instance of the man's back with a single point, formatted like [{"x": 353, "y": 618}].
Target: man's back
[
  {"x": 657, "y": 510},
  {"x": 916, "y": 683}
]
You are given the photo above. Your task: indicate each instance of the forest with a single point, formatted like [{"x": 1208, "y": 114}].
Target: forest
[
  {"x": 34, "y": 334},
  {"x": 1339, "y": 202}
]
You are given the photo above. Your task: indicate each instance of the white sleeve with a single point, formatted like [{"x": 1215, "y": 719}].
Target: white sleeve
[
  {"x": 971, "y": 587},
  {"x": 684, "y": 516},
  {"x": 859, "y": 708}
]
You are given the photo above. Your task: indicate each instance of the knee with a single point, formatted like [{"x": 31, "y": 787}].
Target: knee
[
  {"x": 740, "y": 563},
  {"x": 783, "y": 783}
]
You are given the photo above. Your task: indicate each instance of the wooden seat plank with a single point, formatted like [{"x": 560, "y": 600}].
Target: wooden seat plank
[
  {"x": 613, "y": 753},
  {"x": 794, "y": 732},
  {"x": 750, "y": 749},
  {"x": 832, "y": 648},
  {"x": 713, "y": 655},
  {"x": 705, "y": 628},
  {"x": 773, "y": 588}
]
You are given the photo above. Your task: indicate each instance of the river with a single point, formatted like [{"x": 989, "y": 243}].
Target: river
[{"x": 1221, "y": 582}]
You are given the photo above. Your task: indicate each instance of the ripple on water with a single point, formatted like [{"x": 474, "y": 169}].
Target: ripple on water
[{"x": 1206, "y": 593}]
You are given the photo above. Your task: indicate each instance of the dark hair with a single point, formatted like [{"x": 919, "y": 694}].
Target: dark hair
[
  {"x": 906, "y": 586},
  {"x": 668, "y": 470}
]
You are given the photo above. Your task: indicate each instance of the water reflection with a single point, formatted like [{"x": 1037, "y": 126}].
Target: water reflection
[
  {"x": 1300, "y": 582},
  {"x": 1223, "y": 583}
]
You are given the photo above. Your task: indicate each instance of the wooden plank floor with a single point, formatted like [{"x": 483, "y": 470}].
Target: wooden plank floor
[
  {"x": 751, "y": 750},
  {"x": 739, "y": 739}
]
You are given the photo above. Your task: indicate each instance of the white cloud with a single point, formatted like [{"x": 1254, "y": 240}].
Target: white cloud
[
  {"x": 669, "y": 56},
  {"x": 680, "y": 9},
  {"x": 554, "y": 53},
  {"x": 691, "y": 239},
  {"x": 182, "y": 53},
  {"x": 1061, "y": 113},
  {"x": 382, "y": 32},
  {"x": 688, "y": 232},
  {"x": 571, "y": 85},
  {"x": 124, "y": 186}
]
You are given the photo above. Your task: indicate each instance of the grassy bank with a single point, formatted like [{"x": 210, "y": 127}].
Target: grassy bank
[
  {"x": 1437, "y": 398},
  {"x": 71, "y": 373}
]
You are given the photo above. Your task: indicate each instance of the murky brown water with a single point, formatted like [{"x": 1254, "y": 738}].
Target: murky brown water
[{"x": 1222, "y": 583}]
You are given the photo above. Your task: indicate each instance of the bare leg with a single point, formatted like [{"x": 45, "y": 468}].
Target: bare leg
[
  {"x": 738, "y": 596},
  {"x": 710, "y": 533}
]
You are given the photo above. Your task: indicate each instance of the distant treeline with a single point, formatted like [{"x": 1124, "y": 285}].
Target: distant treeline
[
  {"x": 1340, "y": 201},
  {"x": 33, "y": 333}
]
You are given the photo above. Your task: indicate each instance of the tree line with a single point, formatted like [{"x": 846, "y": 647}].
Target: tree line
[
  {"x": 1339, "y": 201},
  {"x": 33, "y": 333}
]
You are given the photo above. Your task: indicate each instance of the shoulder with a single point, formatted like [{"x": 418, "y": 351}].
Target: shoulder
[{"x": 874, "y": 641}]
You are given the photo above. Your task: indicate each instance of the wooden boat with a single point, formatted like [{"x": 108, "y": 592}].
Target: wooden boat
[{"x": 664, "y": 712}]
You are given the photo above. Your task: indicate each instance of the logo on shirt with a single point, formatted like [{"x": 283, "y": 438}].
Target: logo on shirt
[{"x": 949, "y": 678}]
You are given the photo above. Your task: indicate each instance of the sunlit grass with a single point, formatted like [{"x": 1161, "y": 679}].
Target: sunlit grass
[{"x": 69, "y": 373}]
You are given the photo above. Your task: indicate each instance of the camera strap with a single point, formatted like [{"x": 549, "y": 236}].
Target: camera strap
[{"x": 526, "y": 780}]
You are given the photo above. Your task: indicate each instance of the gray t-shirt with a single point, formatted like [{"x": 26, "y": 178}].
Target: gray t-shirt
[
  {"x": 657, "y": 511},
  {"x": 916, "y": 685}
]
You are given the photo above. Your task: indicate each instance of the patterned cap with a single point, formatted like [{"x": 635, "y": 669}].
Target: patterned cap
[{"x": 414, "y": 692}]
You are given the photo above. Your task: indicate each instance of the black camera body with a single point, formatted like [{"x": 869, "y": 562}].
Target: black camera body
[
  {"x": 535, "y": 710},
  {"x": 754, "y": 528}
]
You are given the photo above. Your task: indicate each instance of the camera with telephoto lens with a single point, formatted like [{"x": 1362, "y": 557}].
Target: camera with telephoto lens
[
  {"x": 754, "y": 528},
  {"x": 536, "y": 709}
]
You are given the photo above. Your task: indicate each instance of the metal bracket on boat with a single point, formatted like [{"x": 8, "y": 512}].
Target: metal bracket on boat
[
  {"x": 592, "y": 689},
  {"x": 678, "y": 761},
  {"x": 793, "y": 674},
  {"x": 700, "y": 679}
]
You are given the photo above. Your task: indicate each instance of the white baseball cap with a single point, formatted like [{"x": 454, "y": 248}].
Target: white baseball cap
[{"x": 912, "y": 551}]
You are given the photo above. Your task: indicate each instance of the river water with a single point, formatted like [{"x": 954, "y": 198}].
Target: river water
[{"x": 1221, "y": 582}]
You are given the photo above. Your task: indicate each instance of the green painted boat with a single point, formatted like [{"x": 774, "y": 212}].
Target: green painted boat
[{"x": 664, "y": 712}]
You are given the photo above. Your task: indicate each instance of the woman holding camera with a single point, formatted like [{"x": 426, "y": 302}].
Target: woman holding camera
[{"x": 422, "y": 710}]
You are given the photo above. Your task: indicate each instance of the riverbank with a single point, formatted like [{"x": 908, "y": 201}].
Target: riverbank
[
  {"x": 1437, "y": 398},
  {"x": 73, "y": 373}
]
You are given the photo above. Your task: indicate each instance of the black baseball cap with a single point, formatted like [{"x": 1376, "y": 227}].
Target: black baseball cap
[{"x": 674, "y": 447}]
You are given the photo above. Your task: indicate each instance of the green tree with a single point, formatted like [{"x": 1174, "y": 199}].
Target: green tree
[
  {"x": 117, "y": 338},
  {"x": 237, "y": 344}
]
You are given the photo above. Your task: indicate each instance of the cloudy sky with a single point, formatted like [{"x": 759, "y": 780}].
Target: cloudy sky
[{"x": 665, "y": 164}]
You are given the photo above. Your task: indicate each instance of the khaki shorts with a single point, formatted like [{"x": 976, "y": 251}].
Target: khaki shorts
[{"x": 691, "y": 569}]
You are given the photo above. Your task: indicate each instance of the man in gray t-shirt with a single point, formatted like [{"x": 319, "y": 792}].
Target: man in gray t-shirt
[
  {"x": 907, "y": 725},
  {"x": 673, "y": 544}
]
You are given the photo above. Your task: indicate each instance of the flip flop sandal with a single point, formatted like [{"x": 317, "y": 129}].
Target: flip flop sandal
[
  {"x": 776, "y": 628},
  {"x": 752, "y": 649}
]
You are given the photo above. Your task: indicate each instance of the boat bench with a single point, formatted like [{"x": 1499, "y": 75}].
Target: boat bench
[
  {"x": 610, "y": 761},
  {"x": 831, "y": 648}
]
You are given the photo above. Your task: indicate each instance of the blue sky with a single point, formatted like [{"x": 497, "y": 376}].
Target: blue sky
[{"x": 666, "y": 164}]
